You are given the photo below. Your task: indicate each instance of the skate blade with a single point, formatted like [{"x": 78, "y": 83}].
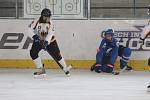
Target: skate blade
[
  {"x": 69, "y": 68},
  {"x": 40, "y": 76},
  {"x": 148, "y": 89},
  {"x": 68, "y": 75}
]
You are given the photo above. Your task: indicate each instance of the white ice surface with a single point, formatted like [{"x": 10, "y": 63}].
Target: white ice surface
[{"x": 82, "y": 85}]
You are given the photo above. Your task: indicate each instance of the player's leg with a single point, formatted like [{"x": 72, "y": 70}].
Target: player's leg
[
  {"x": 125, "y": 59},
  {"x": 54, "y": 51},
  {"x": 108, "y": 61},
  {"x": 36, "y": 47},
  {"x": 148, "y": 88},
  {"x": 99, "y": 58},
  {"x": 92, "y": 68},
  {"x": 106, "y": 67}
]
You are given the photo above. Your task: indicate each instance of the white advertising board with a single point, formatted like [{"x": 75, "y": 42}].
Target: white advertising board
[{"x": 78, "y": 39}]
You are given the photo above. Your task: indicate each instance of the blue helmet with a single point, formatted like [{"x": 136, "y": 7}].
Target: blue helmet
[{"x": 109, "y": 32}]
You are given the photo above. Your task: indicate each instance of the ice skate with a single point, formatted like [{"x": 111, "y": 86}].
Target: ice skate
[
  {"x": 40, "y": 72},
  {"x": 67, "y": 70}
]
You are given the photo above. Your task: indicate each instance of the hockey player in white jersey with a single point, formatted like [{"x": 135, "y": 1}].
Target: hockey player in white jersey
[
  {"x": 42, "y": 31},
  {"x": 145, "y": 33}
]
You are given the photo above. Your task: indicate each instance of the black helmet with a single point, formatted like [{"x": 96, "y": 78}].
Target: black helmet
[{"x": 46, "y": 12}]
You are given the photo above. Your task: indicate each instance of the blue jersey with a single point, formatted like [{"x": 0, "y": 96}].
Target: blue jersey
[
  {"x": 109, "y": 45},
  {"x": 110, "y": 48}
]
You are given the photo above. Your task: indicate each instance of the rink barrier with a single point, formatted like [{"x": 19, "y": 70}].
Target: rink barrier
[
  {"x": 77, "y": 64},
  {"x": 77, "y": 44}
]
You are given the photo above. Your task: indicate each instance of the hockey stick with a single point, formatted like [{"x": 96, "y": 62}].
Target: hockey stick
[
  {"x": 117, "y": 73},
  {"x": 68, "y": 68},
  {"x": 52, "y": 55}
]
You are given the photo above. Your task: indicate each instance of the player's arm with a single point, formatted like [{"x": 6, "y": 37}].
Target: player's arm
[
  {"x": 31, "y": 30},
  {"x": 145, "y": 33},
  {"x": 102, "y": 46},
  {"x": 31, "y": 27},
  {"x": 50, "y": 37}
]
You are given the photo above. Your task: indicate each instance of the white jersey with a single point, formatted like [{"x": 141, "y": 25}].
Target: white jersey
[
  {"x": 44, "y": 30},
  {"x": 146, "y": 31}
]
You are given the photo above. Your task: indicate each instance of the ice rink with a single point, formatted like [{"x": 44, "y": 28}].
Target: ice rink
[{"x": 82, "y": 85}]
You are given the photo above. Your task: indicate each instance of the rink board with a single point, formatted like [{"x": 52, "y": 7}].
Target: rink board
[
  {"x": 76, "y": 64},
  {"x": 77, "y": 40}
]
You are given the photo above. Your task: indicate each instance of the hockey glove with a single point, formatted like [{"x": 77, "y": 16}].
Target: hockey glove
[
  {"x": 142, "y": 40},
  {"x": 45, "y": 45},
  {"x": 36, "y": 38}
]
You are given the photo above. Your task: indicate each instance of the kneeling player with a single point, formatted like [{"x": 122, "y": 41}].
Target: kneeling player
[
  {"x": 124, "y": 53},
  {"x": 42, "y": 31},
  {"x": 107, "y": 53}
]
